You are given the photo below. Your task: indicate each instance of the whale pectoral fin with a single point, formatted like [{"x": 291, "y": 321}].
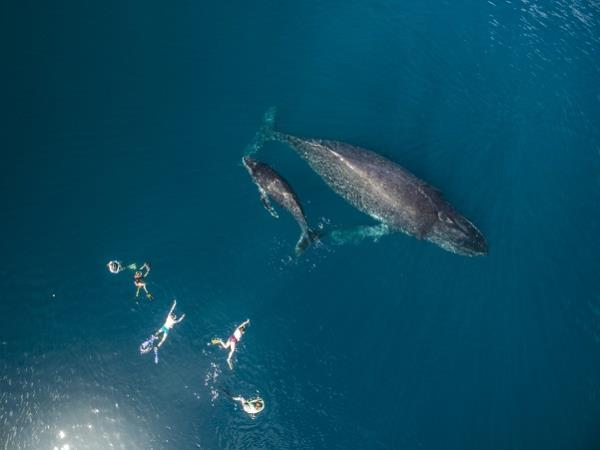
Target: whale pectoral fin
[
  {"x": 264, "y": 198},
  {"x": 356, "y": 235},
  {"x": 377, "y": 231}
]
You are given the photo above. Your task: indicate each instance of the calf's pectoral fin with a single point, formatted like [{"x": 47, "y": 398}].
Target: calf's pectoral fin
[{"x": 264, "y": 198}]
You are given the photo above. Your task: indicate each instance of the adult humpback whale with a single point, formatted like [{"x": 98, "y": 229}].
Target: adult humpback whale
[
  {"x": 382, "y": 189},
  {"x": 271, "y": 184}
]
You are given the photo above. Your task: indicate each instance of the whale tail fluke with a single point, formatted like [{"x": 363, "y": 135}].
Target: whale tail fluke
[
  {"x": 306, "y": 239},
  {"x": 265, "y": 133}
]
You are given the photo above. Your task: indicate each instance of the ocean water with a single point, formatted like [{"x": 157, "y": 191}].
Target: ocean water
[{"x": 122, "y": 128}]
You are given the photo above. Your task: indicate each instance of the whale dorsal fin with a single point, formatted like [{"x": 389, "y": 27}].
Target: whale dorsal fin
[{"x": 264, "y": 198}]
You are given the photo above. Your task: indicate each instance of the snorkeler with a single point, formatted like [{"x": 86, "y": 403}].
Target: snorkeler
[
  {"x": 170, "y": 321},
  {"x": 116, "y": 266},
  {"x": 139, "y": 280},
  {"x": 232, "y": 341},
  {"x": 251, "y": 406}
]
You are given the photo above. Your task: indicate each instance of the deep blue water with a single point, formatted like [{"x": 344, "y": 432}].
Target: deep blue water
[{"x": 121, "y": 133}]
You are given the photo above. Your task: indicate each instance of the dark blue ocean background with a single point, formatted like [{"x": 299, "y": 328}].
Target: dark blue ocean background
[{"x": 121, "y": 131}]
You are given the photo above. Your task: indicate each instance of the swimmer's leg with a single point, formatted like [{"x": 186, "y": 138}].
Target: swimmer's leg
[
  {"x": 164, "y": 338},
  {"x": 220, "y": 342},
  {"x": 231, "y": 352},
  {"x": 148, "y": 294}
]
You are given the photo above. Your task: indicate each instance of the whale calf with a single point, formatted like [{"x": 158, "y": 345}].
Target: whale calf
[
  {"x": 272, "y": 185},
  {"x": 384, "y": 190}
]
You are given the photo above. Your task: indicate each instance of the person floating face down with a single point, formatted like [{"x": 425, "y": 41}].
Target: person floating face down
[
  {"x": 251, "y": 406},
  {"x": 170, "y": 322},
  {"x": 139, "y": 280},
  {"x": 116, "y": 266},
  {"x": 232, "y": 341}
]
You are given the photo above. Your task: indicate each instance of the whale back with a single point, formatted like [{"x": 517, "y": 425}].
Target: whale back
[
  {"x": 277, "y": 187},
  {"x": 373, "y": 184}
]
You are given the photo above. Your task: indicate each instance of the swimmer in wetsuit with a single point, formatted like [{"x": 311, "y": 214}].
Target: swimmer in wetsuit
[
  {"x": 139, "y": 280},
  {"x": 170, "y": 321},
  {"x": 232, "y": 341},
  {"x": 251, "y": 406}
]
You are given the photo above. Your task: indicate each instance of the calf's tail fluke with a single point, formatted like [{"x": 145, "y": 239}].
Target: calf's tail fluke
[
  {"x": 265, "y": 133},
  {"x": 306, "y": 238}
]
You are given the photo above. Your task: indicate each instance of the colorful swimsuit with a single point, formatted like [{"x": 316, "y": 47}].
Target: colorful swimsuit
[{"x": 236, "y": 336}]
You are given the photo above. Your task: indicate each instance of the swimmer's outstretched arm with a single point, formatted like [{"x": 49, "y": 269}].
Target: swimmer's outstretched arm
[
  {"x": 180, "y": 319},
  {"x": 172, "y": 307},
  {"x": 243, "y": 324},
  {"x": 147, "y": 267}
]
